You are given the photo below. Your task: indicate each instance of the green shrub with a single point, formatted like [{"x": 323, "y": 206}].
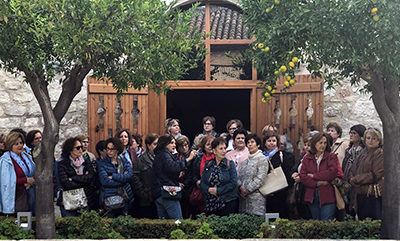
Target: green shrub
[
  {"x": 234, "y": 226},
  {"x": 178, "y": 234},
  {"x": 10, "y": 230},
  {"x": 205, "y": 232},
  {"x": 314, "y": 229}
]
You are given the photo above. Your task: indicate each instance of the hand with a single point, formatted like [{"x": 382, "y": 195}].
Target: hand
[
  {"x": 198, "y": 183},
  {"x": 30, "y": 180},
  {"x": 323, "y": 183},
  {"x": 70, "y": 179},
  {"x": 27, "y": 185},
  {"x": 213, "y": 191},
  {"x": 310, "y": 175},
  {"x": 110, "y": 177},
  {"x": 181, "y": 185},
  {"x": 294, "y": 175},
  {"x": 243, "y": 191},
  {"x": 87, "y": 172},
  {"x": 181, "y": 174},
  {"x": 192, "y": 155}
]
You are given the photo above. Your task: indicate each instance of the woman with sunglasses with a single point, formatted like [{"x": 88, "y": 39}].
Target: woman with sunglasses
[
  {"x": 74, "y": 173},
  {"x": 115, "y": 174},
  {"x": 17, "y": 181}
]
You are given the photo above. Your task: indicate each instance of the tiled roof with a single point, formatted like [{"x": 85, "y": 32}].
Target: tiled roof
[{"x": 226, "y": 23}]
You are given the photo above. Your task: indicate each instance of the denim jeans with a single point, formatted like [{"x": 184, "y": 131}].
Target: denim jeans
[
  {"x": 168, "y": 208},
  {"x": 324, "y": 212}
]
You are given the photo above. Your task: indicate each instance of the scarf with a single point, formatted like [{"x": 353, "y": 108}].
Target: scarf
[
  {"x": 25, "y": 163},
  {"x": 77, "y": 164},
  {"x": 350, "y": 157},
  {"x": 204, "y": 160},
  {"x": 271, "y": 153}
]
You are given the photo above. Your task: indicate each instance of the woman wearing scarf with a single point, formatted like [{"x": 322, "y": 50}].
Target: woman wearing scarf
[
  {"x": 17, "y": 169},
  {"x": 276, "y": 202},
  {"x": 75, "y": 173},
  {"x": 115, "y": 173},
  {"x": 219, "y": 182}
]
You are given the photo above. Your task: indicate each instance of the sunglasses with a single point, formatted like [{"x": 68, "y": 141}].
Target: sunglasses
[
  {"x": 110, "y": 149},
  {"x": 78, "y": 148}
]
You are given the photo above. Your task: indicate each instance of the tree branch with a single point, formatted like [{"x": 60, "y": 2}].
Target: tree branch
[
  {"x": 376, "y": 82},
  {"x": 70, "y": 88}
]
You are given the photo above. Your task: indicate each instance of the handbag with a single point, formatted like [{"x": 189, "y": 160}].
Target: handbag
[
  {"x": 74, "y": 199},
  {"x": 274, "y": 181},
  {"x": 340, "y": 204},
  {"x": 196, "y": 197},
  {"x": 171, "y": 192},
  {"x": 114, "y": 202}
]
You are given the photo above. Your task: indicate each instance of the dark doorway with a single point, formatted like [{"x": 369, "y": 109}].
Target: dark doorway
[{"x": 190, "y": 106}]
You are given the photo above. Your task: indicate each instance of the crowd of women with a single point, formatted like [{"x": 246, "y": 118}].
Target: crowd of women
[{"x": 168, "y": 178}]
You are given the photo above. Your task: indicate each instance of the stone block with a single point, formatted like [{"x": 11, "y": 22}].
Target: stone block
[
  {"x": 15, "y": 110},
  {"x": 4, "y": 97},
  {"x": 9, "y": 123}
]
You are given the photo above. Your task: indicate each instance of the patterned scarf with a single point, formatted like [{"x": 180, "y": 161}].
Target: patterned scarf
[
  {"x": 77, "y": 164},
  {"x": 25, "y": 163},
  {"x": 271, "y": 153}
]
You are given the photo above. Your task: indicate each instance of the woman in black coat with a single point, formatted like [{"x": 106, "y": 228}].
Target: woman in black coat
[
  {"x": 74, "y": 173},
  {"x": 276, "y": 202}
]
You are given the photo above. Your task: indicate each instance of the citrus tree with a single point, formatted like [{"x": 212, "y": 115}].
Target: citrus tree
[
  {"x": 355, "y": 39},
  {"x": 138, "y": 44}
]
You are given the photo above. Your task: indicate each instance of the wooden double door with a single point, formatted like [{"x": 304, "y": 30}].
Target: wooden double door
[{"x": 145, "y": 112}]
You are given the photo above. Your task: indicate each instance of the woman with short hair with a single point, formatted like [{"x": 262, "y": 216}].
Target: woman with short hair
[
  {"x": 231, "y": 127},
  {"x": 74, "y": 172},
  {"x": 219, "y": 182},
  {"x": 252, "y": 173},
  {"x": 367, "y": 171},
  {"x": 33, "y": 139},
  {"x": 17, "y": 180},
  {"x": 339, "y": 145},
  {"x": 319, "y": 169},
  {"x": 115, "y": 173}
]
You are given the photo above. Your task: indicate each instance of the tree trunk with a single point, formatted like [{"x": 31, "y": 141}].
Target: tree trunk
[
  {"x": 45, "y": 221},
  {"x": 391, "y": 192}
]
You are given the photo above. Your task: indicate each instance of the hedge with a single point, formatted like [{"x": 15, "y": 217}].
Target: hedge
[{"x": 236, "y": 226}]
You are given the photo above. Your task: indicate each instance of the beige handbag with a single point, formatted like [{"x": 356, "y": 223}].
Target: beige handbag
[
  {"x": 275, "y": 180},
  {"x": 74, "y": 199}
]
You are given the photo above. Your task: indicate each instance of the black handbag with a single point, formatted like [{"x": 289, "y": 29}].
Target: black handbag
[{"x": 370, "y": 205}]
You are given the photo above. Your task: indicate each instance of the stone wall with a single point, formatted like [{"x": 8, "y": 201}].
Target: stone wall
[{"x": 19, "y": 108}]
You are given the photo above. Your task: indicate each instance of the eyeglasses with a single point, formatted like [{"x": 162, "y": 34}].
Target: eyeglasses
[
  {"x": 207, "y": 124},
  {"x": 110, "y": 149},
  {"x": 232, "y": 129},
  {"x": 78, "y": 148},
  {"x": 37, "y": 138}
]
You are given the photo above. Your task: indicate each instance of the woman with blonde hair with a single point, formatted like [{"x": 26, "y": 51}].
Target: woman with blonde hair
[
  {"x": 172, "y": 128},
  {"x": 367, "y": 177},
  {"x": 17, "y": 180}
]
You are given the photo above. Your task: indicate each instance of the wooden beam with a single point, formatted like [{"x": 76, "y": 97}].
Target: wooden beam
[
  {"x": 107, "y": 89},
  {"x": 231, "y": 41}
]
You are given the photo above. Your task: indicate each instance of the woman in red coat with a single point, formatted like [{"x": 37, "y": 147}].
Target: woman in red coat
[{"x": 318, "y": 170}]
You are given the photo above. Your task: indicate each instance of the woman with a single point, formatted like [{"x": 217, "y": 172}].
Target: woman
[
  {"x": 231, "y": 127},
  {"x": 166, "y": 188},
  {"x": 318, "y": 170},
  {"x": 240, "y": 153},
  {"x": 219, "y": 182},
  {"x": 144, "y": 206},
  {"x": 125, "y": 138},
  {"x": 136, "y": 147},
  {"x": 172, "y": 128},
  {"x": 33, "y": 139},
  {"x": 115, "y": 173},
  {"x": 184, "y": 153},
  {"x": 251, "y": 176},
  {"x": 368, "y": 170},
  {"x": 276, "y": 201},
  {"x": 356, "y": 146},
  {"x": 75, "y": 173},
  {"x": 206, "y": 154},
  {"x": 339, "y": 146},
  {"x": 17, "y": 177}
]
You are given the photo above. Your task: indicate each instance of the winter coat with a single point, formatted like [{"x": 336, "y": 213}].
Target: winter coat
[
  {"x": 86, "y": 181},
  {"x": 166, "y": 171},
  {"x": 251, "y": 175},
  {"x": 142, "y": 178},
  {"x": 227, "y": 191},
  {"x": 328, "y": 171},
  {"x": 339, "y": 148},
  {"x": 370, "y": 161},
  {"x": 109, "y": 187}
]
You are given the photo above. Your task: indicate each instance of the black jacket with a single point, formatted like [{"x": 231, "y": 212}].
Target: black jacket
[{"x": 142, "y": 178}]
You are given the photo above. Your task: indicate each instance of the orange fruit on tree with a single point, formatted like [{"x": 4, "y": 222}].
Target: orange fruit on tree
[
  {"x": 286, "y": 83},
  {"x": 295, "y": 59}
]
